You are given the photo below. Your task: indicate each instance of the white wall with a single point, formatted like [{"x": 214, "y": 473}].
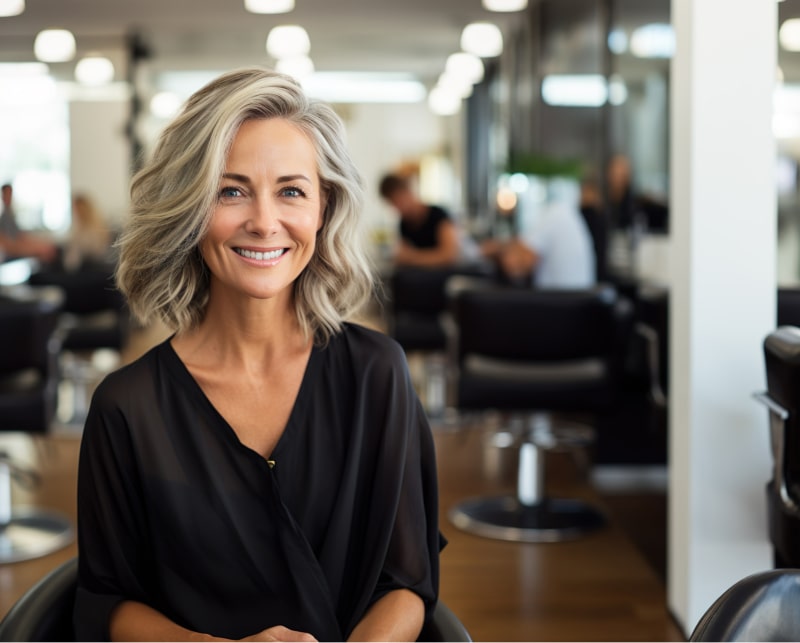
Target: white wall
[{"x": 99, "y": 154}]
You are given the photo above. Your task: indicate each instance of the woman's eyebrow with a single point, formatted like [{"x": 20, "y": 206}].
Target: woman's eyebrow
[
  {"x": 236, "y": 177},
  {"x": 293, "y": 177}
]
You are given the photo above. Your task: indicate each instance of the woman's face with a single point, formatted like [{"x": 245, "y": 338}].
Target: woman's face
[{"x": 269, "y": 208}]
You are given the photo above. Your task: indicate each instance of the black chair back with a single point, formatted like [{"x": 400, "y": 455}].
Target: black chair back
[
  {"x": 520, "y": 348},
  {"x": 44, "y": 612},
  {"x": 782, "y": 361},
  {"x": 29, "y": 360}
]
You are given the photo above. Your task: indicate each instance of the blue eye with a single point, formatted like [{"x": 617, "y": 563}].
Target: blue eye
[
  {"x": 292, "y": 191},
  {"x": 228, "y": 192}
]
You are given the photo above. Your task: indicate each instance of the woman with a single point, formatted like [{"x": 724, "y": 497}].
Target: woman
[
  {"x": 267, "y": 473},
  {"x": 89, "y": 239}
]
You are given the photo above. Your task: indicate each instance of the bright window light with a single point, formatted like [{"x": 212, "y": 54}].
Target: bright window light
[
  {"x": 483, "y": 39},
  {"x": 288, "y": 41},
  {"x": 617, "y": 90},
  {"x": 617, "y": 41},
  {"x": 505, "y": 5},
  {"x": 574, "y": 90},
  {"x": 10, "y": 8},
  {"x": 655, "y": 40},
  {"x": 269, "y": 6},
  {"x": 364, "y": 87},
  {"x": 54, "y": 46}
]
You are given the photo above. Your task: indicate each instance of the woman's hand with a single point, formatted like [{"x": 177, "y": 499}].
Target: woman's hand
[{"x": 280, "y": 633}]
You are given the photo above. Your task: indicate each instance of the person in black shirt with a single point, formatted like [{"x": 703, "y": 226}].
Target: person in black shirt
[
  {"x": 428, "y": 235},
  {"x": 267, "y": 472}
]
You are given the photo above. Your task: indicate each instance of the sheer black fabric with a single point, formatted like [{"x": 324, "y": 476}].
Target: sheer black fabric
[{"x": 174, "y": 511}]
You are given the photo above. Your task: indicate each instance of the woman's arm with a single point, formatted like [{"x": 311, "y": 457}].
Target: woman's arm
[
  {"x": 132, "y": 621},
  {"x": 396, "y": 616}
]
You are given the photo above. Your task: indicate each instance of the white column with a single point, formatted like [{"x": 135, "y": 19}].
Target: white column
[{"x": 723, "y": 263}]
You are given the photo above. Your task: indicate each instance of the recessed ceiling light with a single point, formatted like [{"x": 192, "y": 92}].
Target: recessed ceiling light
[
  {"x": 10, "y": 8},
  {"x": 288, "y": 41},
  {"x": 54, "y": 45},
  {"x": 505, "y": 5},
  {"x": 483, "y": 39},
  {"x": 94, "y": 70},
  {"x": 269, "y": 6}
]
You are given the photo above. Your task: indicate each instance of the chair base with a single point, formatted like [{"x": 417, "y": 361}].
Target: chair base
[
  {"x": 32, "y": 533},
  {"x": 506, "y": 518}
]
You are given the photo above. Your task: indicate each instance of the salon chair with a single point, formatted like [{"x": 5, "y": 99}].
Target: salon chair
[
  {"x": 418, "y": 300},
  {"x": 782, "y": 399},
  {"x": 29, "y": 318},
  {"x": 94, "y": 317},
  {"x": 531, "y": 354},
  {"x": 760, "y": 607},
  {"x": 44, "y": 612}
]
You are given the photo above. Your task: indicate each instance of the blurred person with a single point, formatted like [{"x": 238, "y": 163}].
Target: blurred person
[
  {"x": 557, "y": 251},
  {"x": 89, "y": 241},
  {"x": 428, "y": 235},
  {"x": 15, "y": 242},
  {"x": 267, "y": 472}
]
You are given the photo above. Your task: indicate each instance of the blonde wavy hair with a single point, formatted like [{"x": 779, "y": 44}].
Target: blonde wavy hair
[{"x": 160, "y": 269}]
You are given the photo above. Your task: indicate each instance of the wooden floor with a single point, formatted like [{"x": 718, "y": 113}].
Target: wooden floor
[{"x": 601, "y": 587}]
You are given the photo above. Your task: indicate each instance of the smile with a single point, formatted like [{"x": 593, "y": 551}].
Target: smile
[{"x": 260, "y": 256}]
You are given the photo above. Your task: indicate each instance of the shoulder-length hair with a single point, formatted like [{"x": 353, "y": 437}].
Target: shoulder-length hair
[{"x": 161, "y": 271}]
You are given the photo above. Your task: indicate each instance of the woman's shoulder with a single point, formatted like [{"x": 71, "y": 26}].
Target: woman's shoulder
[
  {"x": 364, "y": 342},
  {"x": 131, "y": 380}
]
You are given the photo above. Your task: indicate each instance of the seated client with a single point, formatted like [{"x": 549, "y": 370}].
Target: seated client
[{"x": 267, "y": 472}]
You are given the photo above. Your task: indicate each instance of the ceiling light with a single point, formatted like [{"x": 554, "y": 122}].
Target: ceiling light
[
  {"x": 287, "y": 41},
  {"x": 505, "y": 5},
  {"x": 297, "y": 66},
  {"x": 482, "y": 39},
  {"x": 269, "y": 6},
  {"x": 165, "y": 105},
  {"x": 54, "y": 45},
  {"x": 443, "y": 103},
  {"x": 466, "y": 66},
  {"x": 789, "y": 34},
  {"x": 94, "y": 70},
  {"x": 575, "y": 90},
  {"x": 364, "y": 87},
  {"x": 10, "y": 8}
]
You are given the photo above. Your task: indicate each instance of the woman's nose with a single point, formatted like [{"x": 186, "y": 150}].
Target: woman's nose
[{"x": 263, "y": 219}]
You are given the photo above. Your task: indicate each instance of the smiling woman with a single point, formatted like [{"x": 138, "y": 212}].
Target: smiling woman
[{"x": 266, "y": 473}]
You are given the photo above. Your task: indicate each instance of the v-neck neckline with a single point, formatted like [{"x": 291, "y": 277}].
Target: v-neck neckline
[{"x": 228, "y": 430}]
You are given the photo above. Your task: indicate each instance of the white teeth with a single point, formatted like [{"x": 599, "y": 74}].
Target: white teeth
[{"x": 260, "y": 256}]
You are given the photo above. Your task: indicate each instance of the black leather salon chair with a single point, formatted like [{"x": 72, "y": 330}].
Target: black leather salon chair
[
  {"x": 782, "y": 398},
  {"x": 29, "y": 320},
  {"x": 760, "y": 607},
  {"x": 29, "y": 357},
  {"x": 417, "y": 301},
  {"x": 44, "y": 612},
  {"x": 94, "y": 317},
  {"x": 533, "y": 353}
]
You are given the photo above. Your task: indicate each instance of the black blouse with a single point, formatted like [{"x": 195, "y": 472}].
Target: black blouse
[{"x": 175, "y": 512}]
